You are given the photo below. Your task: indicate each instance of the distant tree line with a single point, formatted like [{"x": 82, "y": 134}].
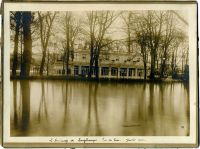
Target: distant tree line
[{"x": 155, "y": 35}]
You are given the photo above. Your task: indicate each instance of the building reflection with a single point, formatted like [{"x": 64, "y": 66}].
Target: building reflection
[{"x": 99, "y": 109}]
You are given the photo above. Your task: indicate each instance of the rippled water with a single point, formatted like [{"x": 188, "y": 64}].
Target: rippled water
[{"x": 77, "y": 108}]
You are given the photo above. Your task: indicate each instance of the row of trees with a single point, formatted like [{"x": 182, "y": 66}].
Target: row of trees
[
  {"x": 23, "y": 22},
  {"x": 158, "y": 38},
  {"x": 157, "y": 35}
]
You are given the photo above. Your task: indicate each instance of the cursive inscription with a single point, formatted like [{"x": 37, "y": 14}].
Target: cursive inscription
[{"x": 95, "y": 140}]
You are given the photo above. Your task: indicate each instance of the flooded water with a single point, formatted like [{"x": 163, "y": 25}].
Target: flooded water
[{"x": 77, "y": 108}]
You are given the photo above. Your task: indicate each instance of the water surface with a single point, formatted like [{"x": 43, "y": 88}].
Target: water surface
[{"x": 78, "y": 108}]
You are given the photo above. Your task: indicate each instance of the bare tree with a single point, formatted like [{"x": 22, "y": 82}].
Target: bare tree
[
  {"x": 154, "y": 21},
  {"x": 71, "y": 30},
  {"x": 142, "y": 40},
  {"x": 46, "y": 23},
  {"x": 167, "y": 39},
  {"x": 15, "y": 25},
  {"x": 156, "y": 33},
  {"x": 128, "y": 22},
  {"x": 179, "y": 39},
  {"x": 92, "y": 23},
  {"x": 139, "y": 27},
  {"x": 27, "y": 53},
  {"x": 99, "y": 23}
]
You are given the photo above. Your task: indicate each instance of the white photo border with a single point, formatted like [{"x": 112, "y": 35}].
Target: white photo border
[{"x": 137, "y": 140}]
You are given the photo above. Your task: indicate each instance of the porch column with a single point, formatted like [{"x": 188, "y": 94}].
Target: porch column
[
  {"x": 109, "y": 72},
  {"x": 72, "y": 70},
  {"x": 99, "y": 72},
  {"x": 136, "y": 73},
  {"x": 127, "y": 74},
  {"x": 118, "y": 75},
  {"x": 79, "y": 70}
]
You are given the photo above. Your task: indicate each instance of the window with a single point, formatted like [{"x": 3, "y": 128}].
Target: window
[
  {"x": 131, "y": 72},
  {"x": 63, "y": 71},
  {"x": 104, "y": 71},
  {"x": 59, "y": 71},
  {"x": 84, "y": 56},
  {"x": 106, "y": 57},
  {"x": 114, "y": 71},
  {"x": 94, "y": 70},
  {"x": 140, "y": 72},
  {"x": 75, "y": 56},
  {"x": 84, "y": 70},
  {"x": 68, "y": 71},
  {"x": 76, "y": 69},
  {"x": 123, "y": 71},
  {"x": 60, "y": 57}
]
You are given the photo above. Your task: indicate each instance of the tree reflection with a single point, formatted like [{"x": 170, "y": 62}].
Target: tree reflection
[
  {"x": 43, "y": 104},
  {"x": 25, "y": 121},
  {"x": 161, "y": 105},
  {"x": 151, "y": 107},
  {"x": 131, "y": 109},
  {"x": 142, "y": 109},
  {"x": 15, "y": 103},
  {"x": 98, "y": 131},
  {"x": 92, "y": 126},
  {"x": 187, "y": 107},
  {"x": 151, "y": 92},
  {"x": 66, "y": 97}
]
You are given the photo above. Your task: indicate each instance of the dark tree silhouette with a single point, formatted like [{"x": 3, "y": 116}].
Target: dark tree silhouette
[
  {"x": 17, "y": 21},
  {"x": 45, "y": 23},
  {"x": 27, "y": 53}
]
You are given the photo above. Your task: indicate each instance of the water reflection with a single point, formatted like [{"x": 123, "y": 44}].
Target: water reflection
[
  {"x": 42, "y": 112},
  {"x": 75, "y": 108},
  {"x": 92, "y": 125},
  {"x": 20, "y": 118},
  {"x": 15, "y": 119}
]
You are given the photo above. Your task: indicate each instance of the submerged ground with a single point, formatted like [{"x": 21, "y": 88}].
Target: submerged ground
[{"x": 81, "y": 108}]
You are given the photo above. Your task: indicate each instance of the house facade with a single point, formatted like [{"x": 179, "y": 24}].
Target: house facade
[{"x": 113, "y": 64}]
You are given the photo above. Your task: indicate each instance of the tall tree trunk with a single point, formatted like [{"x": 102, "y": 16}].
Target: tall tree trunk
[
  {"x": 68, "y": 42},
  {"x": 16, "y": 41},
  {"x": 21, "y": 50},
  {"x": 97, "y": 67},
  {"x": 48, "y": 62},
  {"x": 91, "y": 60},
  {"x": 145, "y": 59},
  {"x": 63, "y": 61},
  {"x": 145, "y": 70},
  {"x": 67, "y": 62},
  {"x": 15, "y": 56},
  {"x": 129, "y": 40},
  {"x": 27, "y": 54},
  {"x": 91, "y": 65},
  {"x": 42, "y": 62},
  {"x": 162, "y": 69},
  {"x": 163, "y": 64},
  {"x": 152, "y": 73}
]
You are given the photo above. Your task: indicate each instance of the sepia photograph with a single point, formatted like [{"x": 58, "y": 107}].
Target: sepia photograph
[{"x": 100, "y": 73}]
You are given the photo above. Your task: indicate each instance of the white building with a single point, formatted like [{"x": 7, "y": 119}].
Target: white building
[{"x": 111, "y": 65}]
